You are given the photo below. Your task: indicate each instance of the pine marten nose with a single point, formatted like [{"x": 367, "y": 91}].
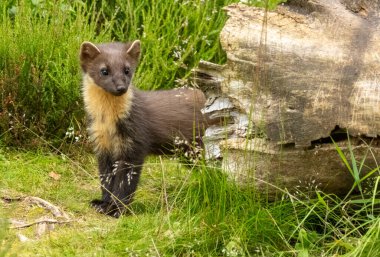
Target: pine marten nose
[{"x": 121, "y": 89}]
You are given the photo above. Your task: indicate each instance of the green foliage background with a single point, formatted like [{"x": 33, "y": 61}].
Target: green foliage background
[
  {"x": 178, "y": 212},
  {"x": 39, "y": 43}
]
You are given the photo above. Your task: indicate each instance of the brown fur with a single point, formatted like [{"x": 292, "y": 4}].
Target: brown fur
[
  {"x": 127, "y": 124},
  {"x": 105, "y": 110}
]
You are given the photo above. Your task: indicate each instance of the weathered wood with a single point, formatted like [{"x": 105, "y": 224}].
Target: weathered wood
[
  {"x": 268, "y": 166},
  {"x": 293, "y": 78},
  {"x": 306, "y": 74}
]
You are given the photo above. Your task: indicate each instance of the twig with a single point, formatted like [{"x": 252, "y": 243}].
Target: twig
[
  {"x": 50, "y": 221},
  {"x": 9, "y": 199},
  {"x": 56, "y": 211},
  {"x": 45, "y": 204}
]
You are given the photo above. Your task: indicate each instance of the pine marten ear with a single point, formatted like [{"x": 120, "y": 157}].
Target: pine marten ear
[
  {"x": 134, "y": 49},
  {"x": 88, "y": 51}
]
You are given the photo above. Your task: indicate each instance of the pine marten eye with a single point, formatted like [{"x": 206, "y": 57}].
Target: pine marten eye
[
  {"x": 104, "y": 71},
  {"x": 126, "y": 70}
]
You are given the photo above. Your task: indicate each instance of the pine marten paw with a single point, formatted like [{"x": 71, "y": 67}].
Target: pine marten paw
[{"x": 107, "y": 208}]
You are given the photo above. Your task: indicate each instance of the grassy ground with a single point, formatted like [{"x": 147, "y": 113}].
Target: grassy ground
[
  {"x": 179, "y": 211},
  {"x": 39, "y": 46}
]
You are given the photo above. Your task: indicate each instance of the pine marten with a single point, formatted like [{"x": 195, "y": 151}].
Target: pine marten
[{"x": 127, "y": 124}]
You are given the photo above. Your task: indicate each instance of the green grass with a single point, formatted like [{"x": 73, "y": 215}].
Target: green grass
[
  {"x": 179, "y": 211},
  {"x": 39, "y": 44},
  {"x": 39, "y": 79}
]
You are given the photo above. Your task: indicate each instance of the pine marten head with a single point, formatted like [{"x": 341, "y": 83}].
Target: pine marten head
[{"x": 110, "y": 65}]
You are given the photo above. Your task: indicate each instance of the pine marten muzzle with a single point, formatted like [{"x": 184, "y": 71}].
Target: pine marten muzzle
[
  {"x": 127, "y": 124},
  {"x": 110, "y": 65}
]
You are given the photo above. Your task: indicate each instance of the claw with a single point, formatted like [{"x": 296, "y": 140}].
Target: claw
[{"x": 106, "y": 208}]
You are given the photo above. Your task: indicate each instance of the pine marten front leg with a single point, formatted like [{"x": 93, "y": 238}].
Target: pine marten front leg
[
  {"x": 119, "y": 182},
  {"x": 126, "y": 124}
]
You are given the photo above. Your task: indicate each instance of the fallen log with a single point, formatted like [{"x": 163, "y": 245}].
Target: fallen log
[{"x": 297, "y": 79}]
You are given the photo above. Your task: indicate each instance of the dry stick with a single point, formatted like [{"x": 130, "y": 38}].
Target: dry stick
[
  {"x": 50, "y": 221},
  {"x": 45, "y": 204},
  {"x": 39, "y": 201},
  {"x": 8, "y": 199}
]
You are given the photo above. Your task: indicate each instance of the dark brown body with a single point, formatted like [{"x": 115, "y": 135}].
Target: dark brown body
[
  {"x": 126, "y": 124},
  {"x": 172, "y": 113}
]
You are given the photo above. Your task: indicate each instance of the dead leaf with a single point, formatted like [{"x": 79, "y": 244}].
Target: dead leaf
[{"x": 55, "y": 176}]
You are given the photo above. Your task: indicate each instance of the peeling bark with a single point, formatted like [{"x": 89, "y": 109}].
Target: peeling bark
[{"x": 294, "y": 77}]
